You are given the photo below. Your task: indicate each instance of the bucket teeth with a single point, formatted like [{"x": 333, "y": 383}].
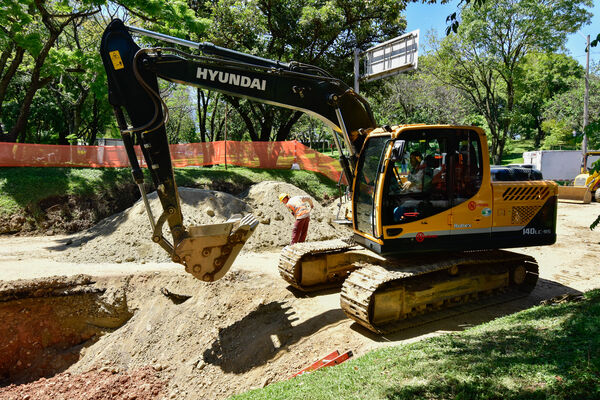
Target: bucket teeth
[
  {"x": 210, "y": 250},
  {"x": 248, "y": 222}
]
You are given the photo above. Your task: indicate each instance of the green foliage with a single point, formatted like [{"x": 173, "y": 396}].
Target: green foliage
[
  {"x": 418, "y": 97},
  {"x": 324, "y": 34},
  {"x": 310, "y": 129},
  {"x": 70, "y": 97},
  {"x": 567, "y": 107},
  {"x": 546, "y": 352},
  {"x": 485, "y": 59},
  {"x": 514, "y": 150},
  {"x": 62, "y": 64},
  {"x": 181, "y": 125},
  {"x": 541, "y": 77},
  {"x": 559, "y": 135}
]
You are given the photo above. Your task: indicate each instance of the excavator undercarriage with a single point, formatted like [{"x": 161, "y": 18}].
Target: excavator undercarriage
[{"x": 391, "y": 294}]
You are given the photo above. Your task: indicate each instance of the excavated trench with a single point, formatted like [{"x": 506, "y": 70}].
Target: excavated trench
[{"x": 46, "y": 323}]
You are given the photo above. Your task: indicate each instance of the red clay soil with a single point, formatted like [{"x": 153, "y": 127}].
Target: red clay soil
[
  {"x": 46, "y": 321},
  {"x": 103, "y": 384}
]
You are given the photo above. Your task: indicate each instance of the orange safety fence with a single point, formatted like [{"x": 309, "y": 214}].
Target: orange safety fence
[{"x": 264, "y": 155}]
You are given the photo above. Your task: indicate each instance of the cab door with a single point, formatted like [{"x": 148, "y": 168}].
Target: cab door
[
  {"x": 415, "y": 199},
  {"x": 471, "y": 196},
  {"x": 364, "y": 192}
]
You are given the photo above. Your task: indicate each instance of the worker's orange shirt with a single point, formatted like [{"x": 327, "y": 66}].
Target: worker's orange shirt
[{"x": 300, "y": 208}]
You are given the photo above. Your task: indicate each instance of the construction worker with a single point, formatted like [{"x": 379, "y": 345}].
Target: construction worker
[
  {"x": 414, "y": 182},
  {"x": 300, "y": 206}
]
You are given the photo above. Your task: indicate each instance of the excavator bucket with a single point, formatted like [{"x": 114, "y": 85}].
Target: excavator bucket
[
  {"x": 209, "y": 250},
  {"x": 577, "y": 194}
]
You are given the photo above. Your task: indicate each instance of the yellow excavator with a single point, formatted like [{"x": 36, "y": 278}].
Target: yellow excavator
[
  {"x": 428, "y": 220},
  {"x": 585, "y": 185}
]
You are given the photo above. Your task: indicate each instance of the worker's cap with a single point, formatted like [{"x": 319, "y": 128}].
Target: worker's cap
[{"x": 283, "y": 196}]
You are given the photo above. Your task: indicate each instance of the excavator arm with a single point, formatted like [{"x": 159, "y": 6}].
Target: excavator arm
[{"x": 208, "y": 251}]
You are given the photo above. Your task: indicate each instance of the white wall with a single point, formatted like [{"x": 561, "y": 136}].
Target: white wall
[{"x": 557, "y": 164}]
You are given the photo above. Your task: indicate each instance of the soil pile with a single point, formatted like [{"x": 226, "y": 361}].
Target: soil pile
[
  {"x": 276, "y": 221},
  {"x": 125, "y": 237},
  {"x": 188, "y": 339}
]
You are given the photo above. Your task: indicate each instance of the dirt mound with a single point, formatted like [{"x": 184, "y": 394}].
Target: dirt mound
[
  {"x": 196, "y": 340},
  {"x": 244, "y": 331},
  {"x": 224, "y": 329},
  {"x": 125, "y": 237},
  {"x": 276, "y": 221}
]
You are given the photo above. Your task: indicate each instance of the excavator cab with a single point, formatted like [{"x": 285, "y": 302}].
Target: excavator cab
[{"x": 409, "y": 186}]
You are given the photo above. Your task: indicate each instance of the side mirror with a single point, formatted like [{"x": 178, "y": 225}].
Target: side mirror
[{"x": 397, "y": 150}]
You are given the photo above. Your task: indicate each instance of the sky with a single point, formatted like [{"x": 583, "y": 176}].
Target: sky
[{"x": 433, "y": 16}]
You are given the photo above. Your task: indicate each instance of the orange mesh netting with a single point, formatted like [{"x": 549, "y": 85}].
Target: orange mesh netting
[{"x": 265, "y": 155}]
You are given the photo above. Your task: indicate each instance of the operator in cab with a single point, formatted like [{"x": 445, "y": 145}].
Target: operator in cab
[{"x": 414, "y": 180}]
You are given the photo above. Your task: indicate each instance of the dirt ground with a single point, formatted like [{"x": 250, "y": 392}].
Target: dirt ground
[{"x": 214, "y": 340}]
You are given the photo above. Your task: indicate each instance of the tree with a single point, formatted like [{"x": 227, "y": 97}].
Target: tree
[
  {"x": 310, "y": 130},
  {"x": 181, "y": 124},
  {"x": 50, "y": 45},
  {"x": 419, "y": 97},
  {"x": 313, "y": 32},
  {"x": 55, "y": 17},
  {"x": 540, "y": 78},
  {"x": 566, "y": 108},
  {"x": 484, "y": 58}
]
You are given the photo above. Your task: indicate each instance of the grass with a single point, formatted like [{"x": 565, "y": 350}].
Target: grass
[
  {"x": 22, "y": 188},
  {"x": 513, "y": 154},
  {"x": 546, "y": 352},
  {"x": 317, "y": 185}
]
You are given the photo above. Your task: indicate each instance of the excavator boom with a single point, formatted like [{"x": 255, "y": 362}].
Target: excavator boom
[
  {"x": 207, "y": 251},
  {"x": 132, "y": 72}
]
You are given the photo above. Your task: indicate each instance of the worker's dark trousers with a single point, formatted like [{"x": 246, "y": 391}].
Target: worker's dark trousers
[{"x": 300, "y": 230}]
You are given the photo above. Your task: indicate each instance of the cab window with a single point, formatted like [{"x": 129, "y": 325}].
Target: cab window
[
  {"x": 417, "y": 184},
  {"x": 468, "y": 170}
]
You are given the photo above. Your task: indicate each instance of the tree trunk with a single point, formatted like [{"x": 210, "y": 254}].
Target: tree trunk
[
  {"x": 19, "y": 130},
  {"x": 202, "y": 111},
  {"x": 10, "y": 72},
  {"x": 540, "y": 133},
  {"x": 55, "y": 28},
  {"x": 93, "y": 127},
  {"x": 77, "y": 107},
  {"x": 6, "y": 53},
  {"x": 284, "y": 130},
  {"x": 235, "y": 103}
]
